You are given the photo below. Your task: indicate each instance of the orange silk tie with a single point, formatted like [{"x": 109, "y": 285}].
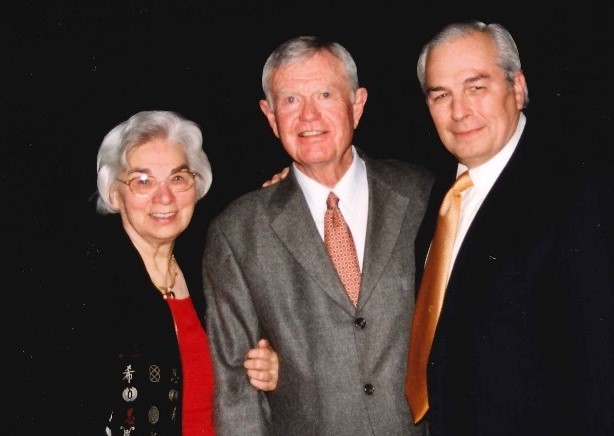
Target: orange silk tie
[
  {"x": 341, "y": 249},
  {"x": 430, "y": 297}
]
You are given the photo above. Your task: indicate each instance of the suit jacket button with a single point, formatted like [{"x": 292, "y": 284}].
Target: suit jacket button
[
  {"x": 360, "y": 322},
  {"x": 368, "y": 388}
]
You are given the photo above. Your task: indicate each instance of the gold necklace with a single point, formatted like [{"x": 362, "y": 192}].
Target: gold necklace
[{"x": 167, "y": 291}]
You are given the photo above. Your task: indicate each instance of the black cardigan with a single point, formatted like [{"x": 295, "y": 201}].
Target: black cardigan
[{"x": 126, "y": 349}]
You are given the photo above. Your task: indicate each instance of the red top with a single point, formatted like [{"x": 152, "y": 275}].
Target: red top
[{"x": 198, "y": 385}]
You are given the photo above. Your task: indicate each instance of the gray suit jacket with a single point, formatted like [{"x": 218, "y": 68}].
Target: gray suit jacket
[{"x": 267, "y": 274}]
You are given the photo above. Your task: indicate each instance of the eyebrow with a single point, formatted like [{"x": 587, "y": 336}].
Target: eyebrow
[
  {"x": 476, "y": 78},
  {"x": 467, "y": 81},
  {"x": 181, "y": 167}
]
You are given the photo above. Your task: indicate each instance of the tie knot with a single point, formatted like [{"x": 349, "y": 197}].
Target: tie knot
[
  {"x": 462, "y": 182},
  {"x": 332, "y": 201}
]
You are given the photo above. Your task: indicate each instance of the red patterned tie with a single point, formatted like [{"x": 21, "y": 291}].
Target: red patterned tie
[
  {"x": 340, "y": 246},
  {"x": 430, "y": 297}
]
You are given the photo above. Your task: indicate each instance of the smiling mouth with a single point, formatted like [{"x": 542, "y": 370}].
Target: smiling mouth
[
  {"x": 309, "y": 133},
  {"x": 466, "y": 131},
  {"x": 163, "y": 215}
]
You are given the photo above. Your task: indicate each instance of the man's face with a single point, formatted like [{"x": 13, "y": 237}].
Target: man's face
[
  {"x": 474, "y": 108},
  {"x": 315, "y": 112}
]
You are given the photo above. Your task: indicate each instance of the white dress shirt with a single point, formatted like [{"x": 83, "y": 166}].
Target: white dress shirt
[
  {"x": 353, "y": 193},
  {"x": 483, "y": 178}
]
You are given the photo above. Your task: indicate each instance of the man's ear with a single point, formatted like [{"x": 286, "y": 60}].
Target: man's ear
[
  {"x": 360, "y": 98},
  {"x": 520, "y": 83},
  {"x": 270, "y": 116}
]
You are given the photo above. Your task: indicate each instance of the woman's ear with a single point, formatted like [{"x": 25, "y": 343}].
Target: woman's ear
[{"x": 114, "y": 196}]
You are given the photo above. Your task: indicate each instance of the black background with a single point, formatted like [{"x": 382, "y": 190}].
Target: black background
[{"x": 73, "y": 69}]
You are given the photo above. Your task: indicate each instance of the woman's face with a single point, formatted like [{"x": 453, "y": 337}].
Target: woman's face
[{"x": 162, "y": 215}]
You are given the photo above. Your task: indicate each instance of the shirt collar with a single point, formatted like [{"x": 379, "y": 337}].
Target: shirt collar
[
  {"x": 345, "y": 187},
  {"x": 484, "y": 176}
]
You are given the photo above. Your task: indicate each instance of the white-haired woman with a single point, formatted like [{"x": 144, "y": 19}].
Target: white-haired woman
[{"x": 151, "y": 358}]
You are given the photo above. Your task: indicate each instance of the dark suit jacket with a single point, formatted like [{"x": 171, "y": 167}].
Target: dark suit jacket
[
  {"x": 267, "y": 274},
  {"x": 524, "y": 342}
]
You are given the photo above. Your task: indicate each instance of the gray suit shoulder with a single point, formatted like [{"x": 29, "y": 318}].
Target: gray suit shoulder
[
  {"x": 408, "y": 179},
  {"x": 402, "y": 176},
  {"x": 249, "y": 203}
]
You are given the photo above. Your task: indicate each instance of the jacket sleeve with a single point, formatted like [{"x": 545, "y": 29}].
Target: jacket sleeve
[{"x": 232, "y": 328}]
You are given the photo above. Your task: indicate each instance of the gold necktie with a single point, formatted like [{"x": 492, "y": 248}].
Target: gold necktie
[
  {"x": 430, "y": 297},
  {"x": 340, "y": 246}
]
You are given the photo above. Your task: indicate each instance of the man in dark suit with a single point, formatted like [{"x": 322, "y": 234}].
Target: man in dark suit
[
  {"x": 267, "y": 272},
  {"x": 523, "y": 345}
]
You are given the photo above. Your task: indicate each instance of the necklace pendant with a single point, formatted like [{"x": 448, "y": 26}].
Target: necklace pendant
[{"x": 167, "y": 291}]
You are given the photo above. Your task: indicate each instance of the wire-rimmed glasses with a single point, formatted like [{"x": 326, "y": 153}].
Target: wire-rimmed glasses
[{"x": 146, "y": 184}]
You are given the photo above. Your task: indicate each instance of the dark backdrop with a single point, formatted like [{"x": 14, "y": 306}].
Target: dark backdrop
[{"x": 78, "y": 68}]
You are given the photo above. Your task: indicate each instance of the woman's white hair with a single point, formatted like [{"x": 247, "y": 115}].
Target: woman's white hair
[{"x": 138, "y": 129}]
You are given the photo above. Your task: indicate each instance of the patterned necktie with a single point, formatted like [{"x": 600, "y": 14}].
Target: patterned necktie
[
  {"x": 340, "y": 246},
  {"x": 430, "y": 297}
]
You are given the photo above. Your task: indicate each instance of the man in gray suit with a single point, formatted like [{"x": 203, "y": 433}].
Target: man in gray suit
[{"x": 267, "y": 272}]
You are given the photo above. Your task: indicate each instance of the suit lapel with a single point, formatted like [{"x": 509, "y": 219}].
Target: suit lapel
[
  {"x": 291, "y": 221},
  {"x": 508, "y": 216},
  {"x": 386, "y": 214}
]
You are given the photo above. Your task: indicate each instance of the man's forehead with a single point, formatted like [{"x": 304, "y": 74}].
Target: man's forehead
[{"x": 460, "y": 63}]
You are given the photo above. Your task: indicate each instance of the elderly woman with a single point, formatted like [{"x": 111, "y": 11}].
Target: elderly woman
[{"x": 153, "y": 368}]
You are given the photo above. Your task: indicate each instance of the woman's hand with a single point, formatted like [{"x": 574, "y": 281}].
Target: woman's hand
[{"x": 262, "y": 365}]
